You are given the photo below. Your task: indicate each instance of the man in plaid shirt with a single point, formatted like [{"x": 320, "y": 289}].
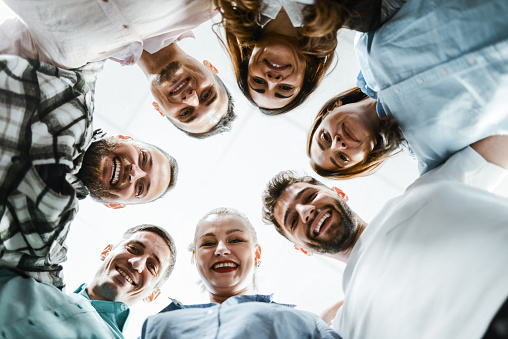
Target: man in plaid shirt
[{"x": 46, "y": 136}]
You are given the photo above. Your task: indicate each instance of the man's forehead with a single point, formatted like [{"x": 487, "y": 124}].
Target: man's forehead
[{"x": 151, "y": 241}]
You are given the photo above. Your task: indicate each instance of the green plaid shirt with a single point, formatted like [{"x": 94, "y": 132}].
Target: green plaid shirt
[{"x": 45, "y": 122}]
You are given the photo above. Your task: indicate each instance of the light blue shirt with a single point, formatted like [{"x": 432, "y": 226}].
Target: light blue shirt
[
  {"x": 441, "y": 69},
  {"x": 243, "y": 316},
  {"x": 30, "y": 309}
]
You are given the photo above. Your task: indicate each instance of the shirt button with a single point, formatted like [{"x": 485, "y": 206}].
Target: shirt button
[
  {"x": 444, "y": 71},
  {"x": 471, "y": 60},
  {"x": 209, "y": 333},
  {"x": 419, "y": 81},
  {"x": 210, "y": 312},
  {"x": 396, "y": 90},
  {"x": 125, "y": 26},
  {"x": 56, "y": 313},
  {"x": 31, "y": 322}
]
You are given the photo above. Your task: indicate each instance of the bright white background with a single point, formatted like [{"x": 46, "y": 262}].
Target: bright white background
[{"x": 230, "y": 170}]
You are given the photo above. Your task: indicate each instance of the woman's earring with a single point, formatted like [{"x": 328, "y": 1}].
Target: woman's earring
[
  {"x": 155, "y": 105},
  {"x": 258, "y": 263}
]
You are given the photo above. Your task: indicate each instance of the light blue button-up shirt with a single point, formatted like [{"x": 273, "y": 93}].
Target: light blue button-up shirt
[
  {"x": 243, "y": 316},
  {"x": 441, "y": 69}
]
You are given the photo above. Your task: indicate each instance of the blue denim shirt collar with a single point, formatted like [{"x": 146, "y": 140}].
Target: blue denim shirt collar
[{"x": 237, "y": 299}]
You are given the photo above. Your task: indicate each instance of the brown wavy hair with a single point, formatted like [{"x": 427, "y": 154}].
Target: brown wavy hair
[
  {"x": 317, "y": 38},
  {"x": 389, "y": 139}
]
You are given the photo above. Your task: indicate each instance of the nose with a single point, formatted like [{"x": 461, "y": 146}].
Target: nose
[
  {"x": 135, "y": 172},
  {"x": 305, "y": 211},
  {"x": 222, "y": 249},
  {"x": 190, "y": 98},
  {"x": 138, "y": 263},
  {"x": 338, "y": 143},
  {"x": 273, "y": 77}
]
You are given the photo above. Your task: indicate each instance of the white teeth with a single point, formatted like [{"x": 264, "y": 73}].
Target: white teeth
[
  {"x": 320, "y": 223},
  {"x": 116, "y": 172},
  {"x": 125, "y": 276},
  {"x": 275, "y": 65},
  {"x": 225, "y": 264},
  {"x": 179, "y": 87}
]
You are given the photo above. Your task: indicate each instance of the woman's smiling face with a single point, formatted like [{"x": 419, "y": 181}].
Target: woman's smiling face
[
  {"x": 343, "y": 139},
  {"x": 276, "y": 72},
  {"x": 225, "y": 252}
]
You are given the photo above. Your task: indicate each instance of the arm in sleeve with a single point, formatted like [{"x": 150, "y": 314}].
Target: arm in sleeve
[{"x": 15, "y": 39}]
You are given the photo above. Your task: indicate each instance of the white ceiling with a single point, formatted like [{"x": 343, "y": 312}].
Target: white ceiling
[{"x": 230, "y": 170}]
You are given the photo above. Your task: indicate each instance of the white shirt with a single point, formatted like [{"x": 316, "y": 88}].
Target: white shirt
[
  {"x": 433, "y": 263},
  {"x": 293, "y": 9},
  {"x": 76, "y": 32}
]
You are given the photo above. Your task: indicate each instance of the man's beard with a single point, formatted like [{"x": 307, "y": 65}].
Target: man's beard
[
  {"x": 342, "y": 237},
  {"x": 167, "y": 73},
  {"x": 90, "y": 171}
]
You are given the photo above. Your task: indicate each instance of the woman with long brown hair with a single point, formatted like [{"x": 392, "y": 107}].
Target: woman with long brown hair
[{"x": 281, "y": 50}]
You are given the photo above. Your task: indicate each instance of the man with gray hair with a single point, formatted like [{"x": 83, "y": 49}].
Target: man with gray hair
[{"x": 133, "y": 269}]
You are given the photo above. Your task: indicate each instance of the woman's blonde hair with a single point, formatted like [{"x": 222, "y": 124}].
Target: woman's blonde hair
[
  {"x": 388, "y": 140},
  {"x": 317, "y": 39}
]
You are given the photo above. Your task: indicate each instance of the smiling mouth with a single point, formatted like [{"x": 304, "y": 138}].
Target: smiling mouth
[
  {"x": 115, "y": 173},
  {"x": 320, "y": 223},
  {"x": 225, "y": 267},
  {"x": 275, "y": 65},
  {"x": 180, "y": 87},
  {"x": 125, "y": 276}
]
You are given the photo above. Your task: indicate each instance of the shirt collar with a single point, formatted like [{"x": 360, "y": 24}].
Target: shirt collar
[{"x": 113, "y": 312}]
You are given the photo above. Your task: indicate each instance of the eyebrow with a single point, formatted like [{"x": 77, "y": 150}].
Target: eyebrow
[
  {"x": 257, "y": 90},
  {"x": 280, "y": 96},
  {"x": 190, "y": 119},
  {"x": 334, "y": 162},
  {"x": 321, "y": 146},
  {"x": 144, "y": 247},
  {"x": 212, "y": 100},
  {"x": 297, "y": 197}
]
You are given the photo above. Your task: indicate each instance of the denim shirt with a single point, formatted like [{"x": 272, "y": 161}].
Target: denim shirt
[
  {"x": 243, "y": 316},
  {"x": 441, "y": 69}
]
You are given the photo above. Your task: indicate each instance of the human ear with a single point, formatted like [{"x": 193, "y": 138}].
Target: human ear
[
  {"x": 115, "y": 206},
  {"x": 334, "y": 105},
  {"x": 341, "y": 194},
  {"x": 209, "y": 65},
  {"x": 105, "y": 252},
  {"x": 257, "y": 256},
  {"x": 152, "y": 296},
  {"x": 156, "y": 106},
  {"x": 307, "y": 253}
]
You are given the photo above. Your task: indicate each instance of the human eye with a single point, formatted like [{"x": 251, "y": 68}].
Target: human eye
[
  {"x": 343, "y": 157},
  {"x": 185, "y": 112},
  {"x": 133, "y": 249},
  {"x": 206, "y": 95},
  {"x": 236, "y": 240},
  {"x": 285, "y": 88},
  {"x": 144, "y": 158},
  {"x": 153, "y": 268},
  {"x": 293, "y": 223},
  {"x": 311, "y": 197},
  {"x": 139, "y": 189},
  {"x": 258, "y": 81},
  {"x": 326, "y": 137},
  {"x": 207, "y": 243}
]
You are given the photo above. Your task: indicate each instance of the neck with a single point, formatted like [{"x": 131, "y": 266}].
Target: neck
[
  {"x": 221, "y": 297},
  {"x": 344, "y": 255},
  {"x": 152, "y": 63},
  {"x": 281, "y": 25}
]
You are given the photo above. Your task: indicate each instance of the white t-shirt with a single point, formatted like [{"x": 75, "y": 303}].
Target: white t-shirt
[{"x": 433, "y": 263}]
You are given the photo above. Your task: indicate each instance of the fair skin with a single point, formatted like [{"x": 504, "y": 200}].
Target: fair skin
[
  {"x": 310, "y": 217},
  {"x": 131, "y": 270},
  {"x": 134, "y": 172},
  {"x": 225, "y": 256},
  {"x": 276, "y": 68},
  {"x": 186, "y": 91},
  {"x": 345, "y": 136}
]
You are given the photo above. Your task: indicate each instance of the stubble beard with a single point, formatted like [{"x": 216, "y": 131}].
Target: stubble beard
[{"x": 342, "y": 236}]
